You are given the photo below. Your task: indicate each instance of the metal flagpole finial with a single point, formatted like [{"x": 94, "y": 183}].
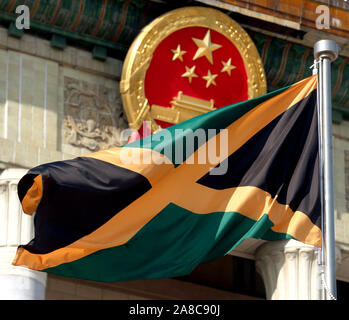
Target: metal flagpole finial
[{"x": 326, "y": 49}]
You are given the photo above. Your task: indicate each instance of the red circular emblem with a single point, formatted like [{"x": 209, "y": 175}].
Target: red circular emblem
[{"x": 185, "y": 63}]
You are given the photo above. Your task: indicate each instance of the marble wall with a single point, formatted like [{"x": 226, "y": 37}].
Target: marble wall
[{"x": 55, "y": 104}]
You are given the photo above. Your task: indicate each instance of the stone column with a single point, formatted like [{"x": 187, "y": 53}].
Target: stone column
[
  {"x": 16, "y": 283},
  {"x": 289, "y": 270}
]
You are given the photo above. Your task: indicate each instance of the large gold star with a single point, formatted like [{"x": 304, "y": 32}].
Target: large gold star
[
  {"x": 178, "y": 53},
  {"x": 210, "y": 78},
  {"x": 190, "y": 73},
  {"x": 227, "y": 66},
  {"x": 205, "y": 47}
]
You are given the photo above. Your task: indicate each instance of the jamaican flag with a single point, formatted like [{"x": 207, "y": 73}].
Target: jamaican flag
[{"x": 158, "y": 207}]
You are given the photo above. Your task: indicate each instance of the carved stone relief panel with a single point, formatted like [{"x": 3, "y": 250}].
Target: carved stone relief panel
[{"x": 93, "y": 115}]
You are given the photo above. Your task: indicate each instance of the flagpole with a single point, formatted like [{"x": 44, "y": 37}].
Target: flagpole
[{"x": 326, "y": 51}]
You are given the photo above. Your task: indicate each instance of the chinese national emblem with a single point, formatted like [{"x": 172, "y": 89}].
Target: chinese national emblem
[{"x": 188, "y": 62}]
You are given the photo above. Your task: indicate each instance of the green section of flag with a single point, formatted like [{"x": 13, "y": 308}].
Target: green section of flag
[
  {"x": 185, "y": 131},
  {"x": 190, "y": 239}
]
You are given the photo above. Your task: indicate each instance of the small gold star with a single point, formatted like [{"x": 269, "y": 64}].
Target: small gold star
[
  {"x": 190, "y": 73},
  {"x": 205, "y": 47},
  {"x": 210, "y": 78},
  {"x": 227, "y": 66},
  {"x": 178, "y": 53}
]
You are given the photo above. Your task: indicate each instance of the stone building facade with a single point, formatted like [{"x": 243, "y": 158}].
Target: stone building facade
[{"x": 57, "y": 104}]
